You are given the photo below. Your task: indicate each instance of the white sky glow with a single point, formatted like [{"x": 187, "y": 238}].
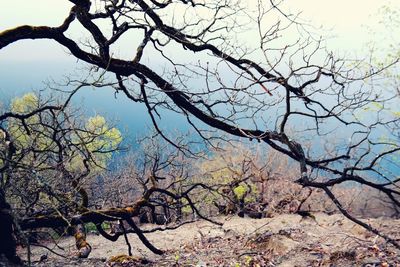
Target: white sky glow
[{"x": 343, "y": 19}]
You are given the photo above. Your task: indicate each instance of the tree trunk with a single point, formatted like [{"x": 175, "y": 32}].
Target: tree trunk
[
  {"x": 179, "y": 214},
  {"x": 7, "y": 243},
  {"x": 82, "y": 245}
]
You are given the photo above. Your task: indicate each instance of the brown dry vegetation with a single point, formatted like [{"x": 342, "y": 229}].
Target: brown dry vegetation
[
  {"x": 285, "y": 240},
  {"x": 280, "y": 238}
]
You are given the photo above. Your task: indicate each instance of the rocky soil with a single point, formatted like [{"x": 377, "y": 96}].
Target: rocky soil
[{"x": 285, "y": 240}]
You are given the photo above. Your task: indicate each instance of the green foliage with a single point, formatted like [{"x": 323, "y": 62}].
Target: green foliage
[
  {"x": 231, "y": 172},
  {"x": 249, "y": 190},
  {"x": 254, "y": 193},
  {"x": 99, "y": 140},
  {"x": 240, "y": 191},
  {"x": 91, "y": 227},
  {"x": 186, "y": 207},
  {"x": 95, "y": 139},
  {"x": 57, "y": 150},
  {"x": 106, "y": 138},
  {"x": 25, "y": 104}
]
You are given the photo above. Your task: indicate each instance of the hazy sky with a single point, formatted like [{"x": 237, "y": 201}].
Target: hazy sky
[
  {"x": 350, "y": 20},
  {"x": 345, "y": 17},
  {"x": 24, "y": 65}
]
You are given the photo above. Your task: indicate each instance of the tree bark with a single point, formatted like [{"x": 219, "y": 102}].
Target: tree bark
[
  {"x": 7, "y": 243},
  {"x": 82, "y": 245}
]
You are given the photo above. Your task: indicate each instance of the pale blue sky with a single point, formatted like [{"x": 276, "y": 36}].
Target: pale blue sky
[
  {"x": 345, "y": 17},
  {"x": 26, "y": 64}
]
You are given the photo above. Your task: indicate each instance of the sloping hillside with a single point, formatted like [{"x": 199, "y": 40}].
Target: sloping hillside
[{"x": 285, "y": 240}]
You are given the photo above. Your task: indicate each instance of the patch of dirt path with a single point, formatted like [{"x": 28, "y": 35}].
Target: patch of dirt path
[{"x": 285, "y": 240}]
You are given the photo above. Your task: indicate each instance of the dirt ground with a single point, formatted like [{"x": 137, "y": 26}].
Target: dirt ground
[{"x": 285, "y": 240}]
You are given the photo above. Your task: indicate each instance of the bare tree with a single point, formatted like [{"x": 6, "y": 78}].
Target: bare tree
[
  {"x": 285, "y": 79},
  {"x": 50, "y": 162},
  {"x": 48, "y": 155},
  {"x": 153, "y": 164}
]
